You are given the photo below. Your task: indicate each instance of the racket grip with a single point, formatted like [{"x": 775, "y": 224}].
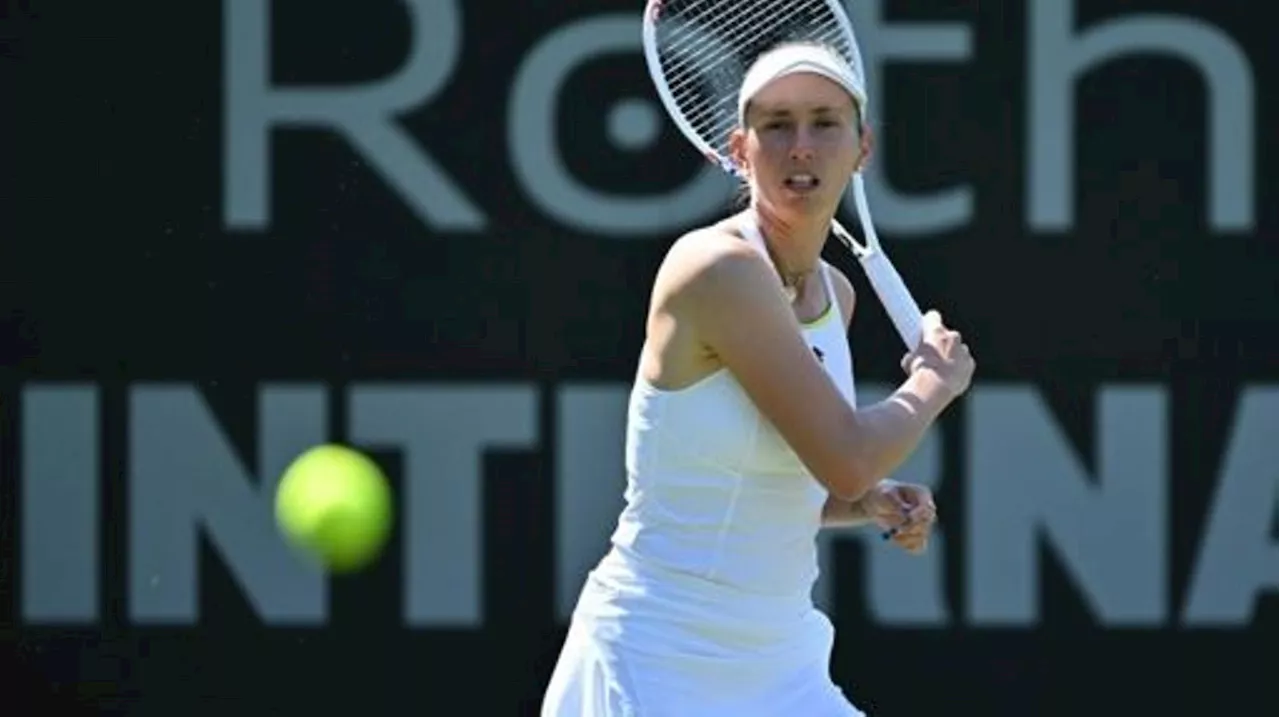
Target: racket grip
[{"x": 894, "y": 297}]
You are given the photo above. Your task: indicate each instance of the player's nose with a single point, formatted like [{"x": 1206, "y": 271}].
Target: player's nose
[{"x": 804, "y": 147}]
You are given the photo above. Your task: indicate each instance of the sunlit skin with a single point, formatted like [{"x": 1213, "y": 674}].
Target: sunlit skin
[
  {"x": 807, "y": 124},
  {"x": 714, "y": 306},
  {"x": 799, "y": 124}
]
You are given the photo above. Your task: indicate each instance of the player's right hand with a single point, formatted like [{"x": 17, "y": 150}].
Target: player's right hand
[{"x": 943, "y": 352}]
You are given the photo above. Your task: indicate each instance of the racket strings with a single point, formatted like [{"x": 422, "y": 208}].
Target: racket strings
[
  {"x": 699, "y": 52},
  {"x": 737, "y": 38},
  {"x": 705, "y": 48},
  {"x": 689, "y": 68},
  {"x": 706, "y": 104},
  {"x": 740, "y": 19},
  {"x": 744, "y": 30}
]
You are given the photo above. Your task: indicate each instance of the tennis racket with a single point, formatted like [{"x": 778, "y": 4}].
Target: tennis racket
[{"x": 699, "y": 51}]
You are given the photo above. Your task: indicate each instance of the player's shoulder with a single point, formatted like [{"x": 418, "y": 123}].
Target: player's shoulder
[
  {"x": 713, "y": 242},
  {"x": 846, "y": 296},
  {"x": 713, "y": 265},
  {"x": 715, "y": 249}
]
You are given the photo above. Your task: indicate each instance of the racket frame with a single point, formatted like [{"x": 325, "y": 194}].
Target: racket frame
[{"x": 897, "y": 300}]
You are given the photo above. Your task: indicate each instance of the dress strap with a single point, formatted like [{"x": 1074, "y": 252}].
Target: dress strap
[{"x": 830, "y": 285}]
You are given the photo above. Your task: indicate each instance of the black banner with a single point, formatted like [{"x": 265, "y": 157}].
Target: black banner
[{"x": 235, "y": 229}]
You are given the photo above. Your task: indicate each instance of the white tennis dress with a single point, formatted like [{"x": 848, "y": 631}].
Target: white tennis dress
[{"x": 703, "y": 605}]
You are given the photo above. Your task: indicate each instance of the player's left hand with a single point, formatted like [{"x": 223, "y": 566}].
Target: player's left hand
[{"x": 905, "y": 510}]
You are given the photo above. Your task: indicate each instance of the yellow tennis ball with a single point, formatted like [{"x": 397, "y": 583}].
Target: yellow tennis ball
[{"x": 334, "y": 503}]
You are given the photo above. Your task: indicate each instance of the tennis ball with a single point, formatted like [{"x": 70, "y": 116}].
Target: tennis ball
[{"x": 334, "y": 503}]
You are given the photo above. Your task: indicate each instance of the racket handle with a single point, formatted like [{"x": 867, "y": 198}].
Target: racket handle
[
  {"x": 894, "y": 296},
  {"x": 889, "y": 287}
]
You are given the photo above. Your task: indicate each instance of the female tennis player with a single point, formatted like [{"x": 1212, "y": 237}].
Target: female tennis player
[{"x": 744, "y": 439}]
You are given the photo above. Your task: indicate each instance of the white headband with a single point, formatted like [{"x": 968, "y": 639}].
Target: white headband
[{"x": 792, "y": 59}]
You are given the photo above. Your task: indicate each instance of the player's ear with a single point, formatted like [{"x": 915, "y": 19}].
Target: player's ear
[
  {"x": 738, "y": 147},
  {"x": 866, "y": 144}
]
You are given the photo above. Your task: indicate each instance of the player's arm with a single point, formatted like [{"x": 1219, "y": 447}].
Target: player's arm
[
  {"x": 731, "y": 296},
  {"x": 841, "y": 513}
]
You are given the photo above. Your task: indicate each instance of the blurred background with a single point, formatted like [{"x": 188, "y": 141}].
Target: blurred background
[{"x": 232, "y": 229}]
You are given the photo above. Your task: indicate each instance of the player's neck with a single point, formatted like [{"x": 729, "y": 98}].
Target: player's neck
[{"x": 795, "y": 243}]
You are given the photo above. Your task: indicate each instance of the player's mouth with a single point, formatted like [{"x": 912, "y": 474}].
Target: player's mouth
[{"x": 801, "y": 182}]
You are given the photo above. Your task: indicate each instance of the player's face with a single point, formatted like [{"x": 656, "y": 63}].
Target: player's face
[{"x": 801, "y": 143}]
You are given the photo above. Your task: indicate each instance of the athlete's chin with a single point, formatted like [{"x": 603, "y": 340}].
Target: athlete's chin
[{"x": 806, "y": 202}]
